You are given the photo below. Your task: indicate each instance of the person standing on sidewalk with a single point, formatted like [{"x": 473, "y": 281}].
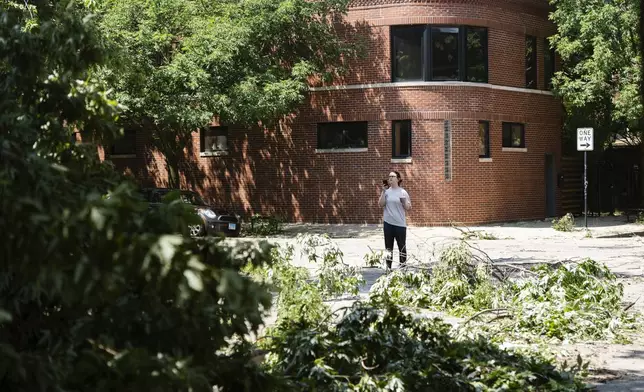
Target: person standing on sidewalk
[{"x": 395, "y": 202}]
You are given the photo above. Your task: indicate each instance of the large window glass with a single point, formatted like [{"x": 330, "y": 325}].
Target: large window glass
[
  {"x": 408, "y": 53},
  {"x": 476, "y": 54},
  {"x": 445, "y": 53},
  {"x": 441, "y": 53}
]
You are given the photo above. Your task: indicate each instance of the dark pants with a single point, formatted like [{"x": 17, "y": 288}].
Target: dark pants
[{"x": 398, "y": 233}]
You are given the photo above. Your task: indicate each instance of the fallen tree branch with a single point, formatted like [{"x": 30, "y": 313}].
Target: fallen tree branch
[
  {"x": 516, "y": 267},
  {"x": 482, "y": 312},
  {"x": 632, "y": 303},
  {"x": 365, "y": 367}
]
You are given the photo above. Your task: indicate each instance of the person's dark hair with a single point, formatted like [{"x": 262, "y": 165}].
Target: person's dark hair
[{"x": 399, "y": 179}]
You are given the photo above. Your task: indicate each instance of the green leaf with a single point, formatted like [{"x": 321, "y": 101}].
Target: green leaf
[{"x": 194, "y": 280}]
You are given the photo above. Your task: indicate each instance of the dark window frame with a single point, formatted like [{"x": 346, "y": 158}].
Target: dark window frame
[
  {"x": 128, "y": 134},
  {"x": 320, "y": 127},
  {"x": 487, "y": 139},
  {"x": 202, "y": 138},
  {"x": 509, "y": 125},
  {"x": 427, "y": 53},
  {"x": 423, "y": 45},
  {"x": 531, "y": 71},
  {"x": 549, "y": 64},
  {"x": 393, "y": 138}
]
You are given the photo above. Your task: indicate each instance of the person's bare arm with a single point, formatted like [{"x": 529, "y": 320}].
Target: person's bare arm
[
  {"x": 407, "y": 203},
  {"x": 383, "y": 200}
]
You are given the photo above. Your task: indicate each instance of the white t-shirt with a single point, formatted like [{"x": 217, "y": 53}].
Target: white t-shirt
[{"x": 395, "y": 213}]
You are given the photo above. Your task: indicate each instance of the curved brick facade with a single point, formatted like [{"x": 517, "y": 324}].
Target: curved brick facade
[{"x": 279, "y": 171}]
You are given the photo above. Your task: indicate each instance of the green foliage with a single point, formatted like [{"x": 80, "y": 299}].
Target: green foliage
[
  {"x": 640, "y": 218},
  {"x": 178, "y": 64},
  {"x": 456, "y": 284},
  {"x": 565, "y": 223},
  {"x": 99, "y": 293},
  {"x": 567, "y": 302},
  {"x": 297, "y": 296},
  {"x": 467, "y": 234},
  {"x": 374, "y": 259},
  {"x": 261, "y": 225},
  {"x": 580, "y": 300},
  {"x": 598, "y": 42},
  {"x": 335, "y": 277},
  {"x": 384, "y": 349}
]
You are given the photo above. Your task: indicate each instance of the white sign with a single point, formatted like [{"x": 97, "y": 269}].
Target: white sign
[{"x": 584, "y": 139}]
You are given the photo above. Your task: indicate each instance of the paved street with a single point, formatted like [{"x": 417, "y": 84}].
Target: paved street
[{"x": 612, "y": 241}]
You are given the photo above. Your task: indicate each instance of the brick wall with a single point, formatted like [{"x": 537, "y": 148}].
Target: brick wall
[{"x": 277, "y": 171}]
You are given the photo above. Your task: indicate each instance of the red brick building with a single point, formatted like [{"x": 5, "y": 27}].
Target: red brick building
[{"x": 453, "y": 94}]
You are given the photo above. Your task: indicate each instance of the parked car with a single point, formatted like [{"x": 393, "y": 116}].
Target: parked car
[{"x": 214, "y": 220}]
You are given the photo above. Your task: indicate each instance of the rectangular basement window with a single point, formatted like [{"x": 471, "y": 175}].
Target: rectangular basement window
[
  {"x": 213, "y": 142},
  {"x": 348, "y": 136},
  {"x": 124, "y": 147}
]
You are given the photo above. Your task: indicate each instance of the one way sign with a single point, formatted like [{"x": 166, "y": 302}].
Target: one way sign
[{"x": 584, "y": 139}]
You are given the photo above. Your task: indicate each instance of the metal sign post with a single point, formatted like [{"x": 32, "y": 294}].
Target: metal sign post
[{"x": 585, "y": 143}]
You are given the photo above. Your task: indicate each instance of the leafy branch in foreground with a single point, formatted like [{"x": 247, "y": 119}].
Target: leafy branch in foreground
[
  {"x": 299, "y": 295},
  {"x": 97, "y": 293},
  {"x": 334, "y": 275},
  {"x": 566, "y": 301},
  {"x": 456, "y": 283},
  {"x": 579, "y": 299},
  {"x": 385, "y": 349}
]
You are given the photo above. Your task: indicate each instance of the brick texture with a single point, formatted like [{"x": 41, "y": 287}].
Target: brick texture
[{"x": 277, "y": 170}]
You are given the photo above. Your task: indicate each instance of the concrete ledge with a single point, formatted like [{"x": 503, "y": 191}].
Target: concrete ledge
[
  {"x": 401, "y": 160},
  {"x": 514, "y": 149},
  {"x": 430, "y": 84},
  {"x": 485, "y": 159},
  {"x": 213, "y": 153},
  {"x": 331, "y": 150}
]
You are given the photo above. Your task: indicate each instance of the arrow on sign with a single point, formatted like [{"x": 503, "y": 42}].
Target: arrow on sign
[{"x": 585, "y": 145}]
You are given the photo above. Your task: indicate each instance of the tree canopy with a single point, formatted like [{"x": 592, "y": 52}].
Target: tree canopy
[
  {"x": 96, "y": 292},
  {"x": 599, "y": 44},
  {"x": 177, "y": 65}
]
